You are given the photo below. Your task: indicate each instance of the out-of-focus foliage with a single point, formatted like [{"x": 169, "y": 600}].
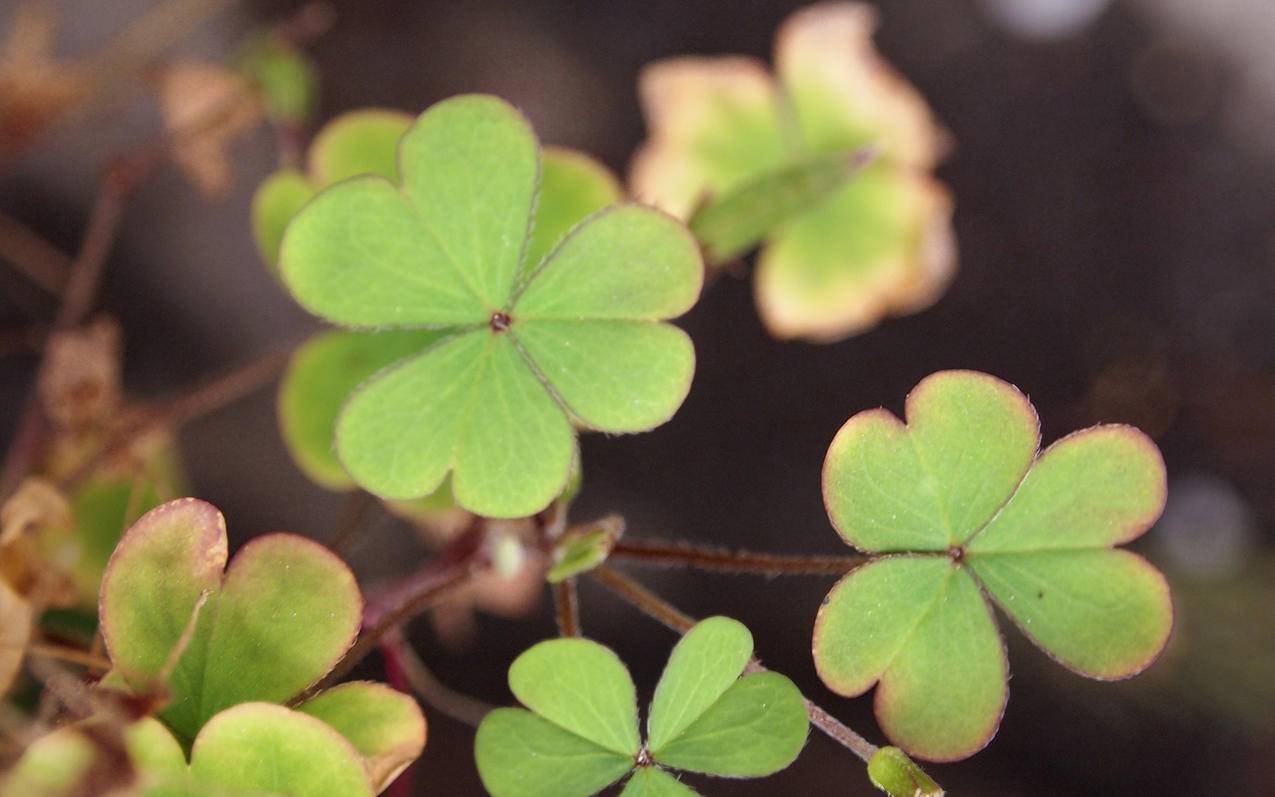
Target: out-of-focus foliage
[{"x": 841, "y": 258}]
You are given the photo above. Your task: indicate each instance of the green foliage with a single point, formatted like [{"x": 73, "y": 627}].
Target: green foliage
[
  {"x": 767, "y": 153},
  {"x": 240, "y": 651},
  {"x": 584, "y": 548},
  {"x": 383, "y": 724},
  {"x": 730, "y": 225},
  {"x": 581, "y": 732},
  {"x": 894, "y": 773},
  {"x": 287, "y": 79},
  {"x": 532, "y": 348},
  {"x": 218, "y": 651},
  {"x": 354, "y": 143},
  {"x": 264, "y": 748},
  {"x": 955, "y": 506}
]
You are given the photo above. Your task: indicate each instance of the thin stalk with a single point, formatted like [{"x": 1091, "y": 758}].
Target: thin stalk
[
  {"x": 704, "y": 557},
  {"x": 32, "y": 256},
  {"x": 669, "y": 615},
  {"x": 440, "y": 578},
  {"x": 69, "y": 655},
  {"x": 433, "y": 692},
  {"x": 566, "y": 604}
]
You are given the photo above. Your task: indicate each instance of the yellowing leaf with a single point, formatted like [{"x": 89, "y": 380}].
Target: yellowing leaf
[{"x": 834, "y": 263}]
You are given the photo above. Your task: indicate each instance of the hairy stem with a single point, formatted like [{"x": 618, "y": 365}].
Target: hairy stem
[
  {"x": 566, "y": 604},
  {"x": 704, "y": 557},
  {"x": 669, "y": 615}
]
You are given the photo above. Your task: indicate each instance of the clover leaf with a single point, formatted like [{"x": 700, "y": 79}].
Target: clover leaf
[
  {"x": 533, "y": 347},
  {"x": 959, "y": 512},
  {"x": 269, "y": 626},
  {"x": 581, "y": 732},
  {"x": 332, "y": 364},
  {"x": 723, "y": 128}
]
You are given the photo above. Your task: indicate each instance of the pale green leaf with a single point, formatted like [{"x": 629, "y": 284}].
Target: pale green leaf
[
  {"x": 919, "y": 626},
  {"x": 284, "y": 613},
  {"x": 468, "y": 404},
  {"x": 706, "y": 662},
  {"x": 933, "y": 483},
  {"x": 1098, "y": 487},
  {"x": 629, "y": 262},
  {"x": 655, "y": 782},
  {"x": 384, "y": 725},
  {"x": 522, "y": 755},
  {"x": 572, "y": 186},
  {"x": 612, "y": 376},
  {"x": 733, "y": 223},
  {"x": 584, "y": 548},
  {"x": 1104, "y": 613},
  {"x": 581, "y": 687},
  {"x": 357, "y": 142},
  {"x": 320, "y": 377},
  {"x": 261, "y": 747},
  {"x": 470, "y": 167},
  {"x": 275, "y": 202},
  {"x": 358, "y": 254},
  {"x": 841, "y": 91},
  {"x": 755, "y": 728},
  {"x": 877, "y": 246},
  {"x": 714, "y": 123},
  {"x": 894, "y": 773}
]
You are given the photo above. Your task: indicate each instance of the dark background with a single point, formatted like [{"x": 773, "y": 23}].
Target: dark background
[{"x": 1114, "y": 187}]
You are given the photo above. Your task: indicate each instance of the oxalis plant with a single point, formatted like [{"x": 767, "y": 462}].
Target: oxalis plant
[{"x": 489, "y": 300}]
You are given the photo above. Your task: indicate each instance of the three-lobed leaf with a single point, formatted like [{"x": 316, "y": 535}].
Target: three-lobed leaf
[
  {"x": 532, "y": 347},
  {"x": 581, "y": 733},
  {"x": 962, "y": 510}
]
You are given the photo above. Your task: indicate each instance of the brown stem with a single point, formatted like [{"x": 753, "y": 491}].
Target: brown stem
[
  {"x": 32, "y": 256},
  {"x": 454, "y": 568},
  {"x": 438, "y": 695},
  {"x": 566, "y": 604},
  {"x": 704, "y": 557},
  {"x": 69, "y": 655},
  {"x": 669, "y": 615},
  {"x": 81, "y": 286},
  {"x": 355, "y": 508}
]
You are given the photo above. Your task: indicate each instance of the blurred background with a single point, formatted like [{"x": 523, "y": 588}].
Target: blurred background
[{"x": 1114, "y": 176}]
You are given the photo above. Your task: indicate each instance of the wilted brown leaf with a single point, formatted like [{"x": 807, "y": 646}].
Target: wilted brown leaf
[
  {"x": 35, "y": 87},
  {"x": 80, "y": 387},
  {"x": 205, "y": 107}
]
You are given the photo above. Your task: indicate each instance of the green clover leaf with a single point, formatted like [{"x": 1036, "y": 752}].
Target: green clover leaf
[
  {"x": 960, "y": 513},
  {"x": 532, "y": 347},
  {"x": 839, "y": 254},
  {"x": 581, "y": 732},
  {"x": 269, "y": 626},
  {"x": 325, "y": 370}
]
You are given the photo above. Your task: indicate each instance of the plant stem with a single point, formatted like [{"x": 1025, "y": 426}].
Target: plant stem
[
  {"x": 436, "y": 694},
  {"x": 356, "y": 506},
  {"x": 69, "y": 655},
  {"x": 703, "y": 557},
  {"x": 35, "y": 258},
  {"x": 454, "y": 568},
  {"x": 566, "y": 604},
  {"x": 669, "y": 615}
]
